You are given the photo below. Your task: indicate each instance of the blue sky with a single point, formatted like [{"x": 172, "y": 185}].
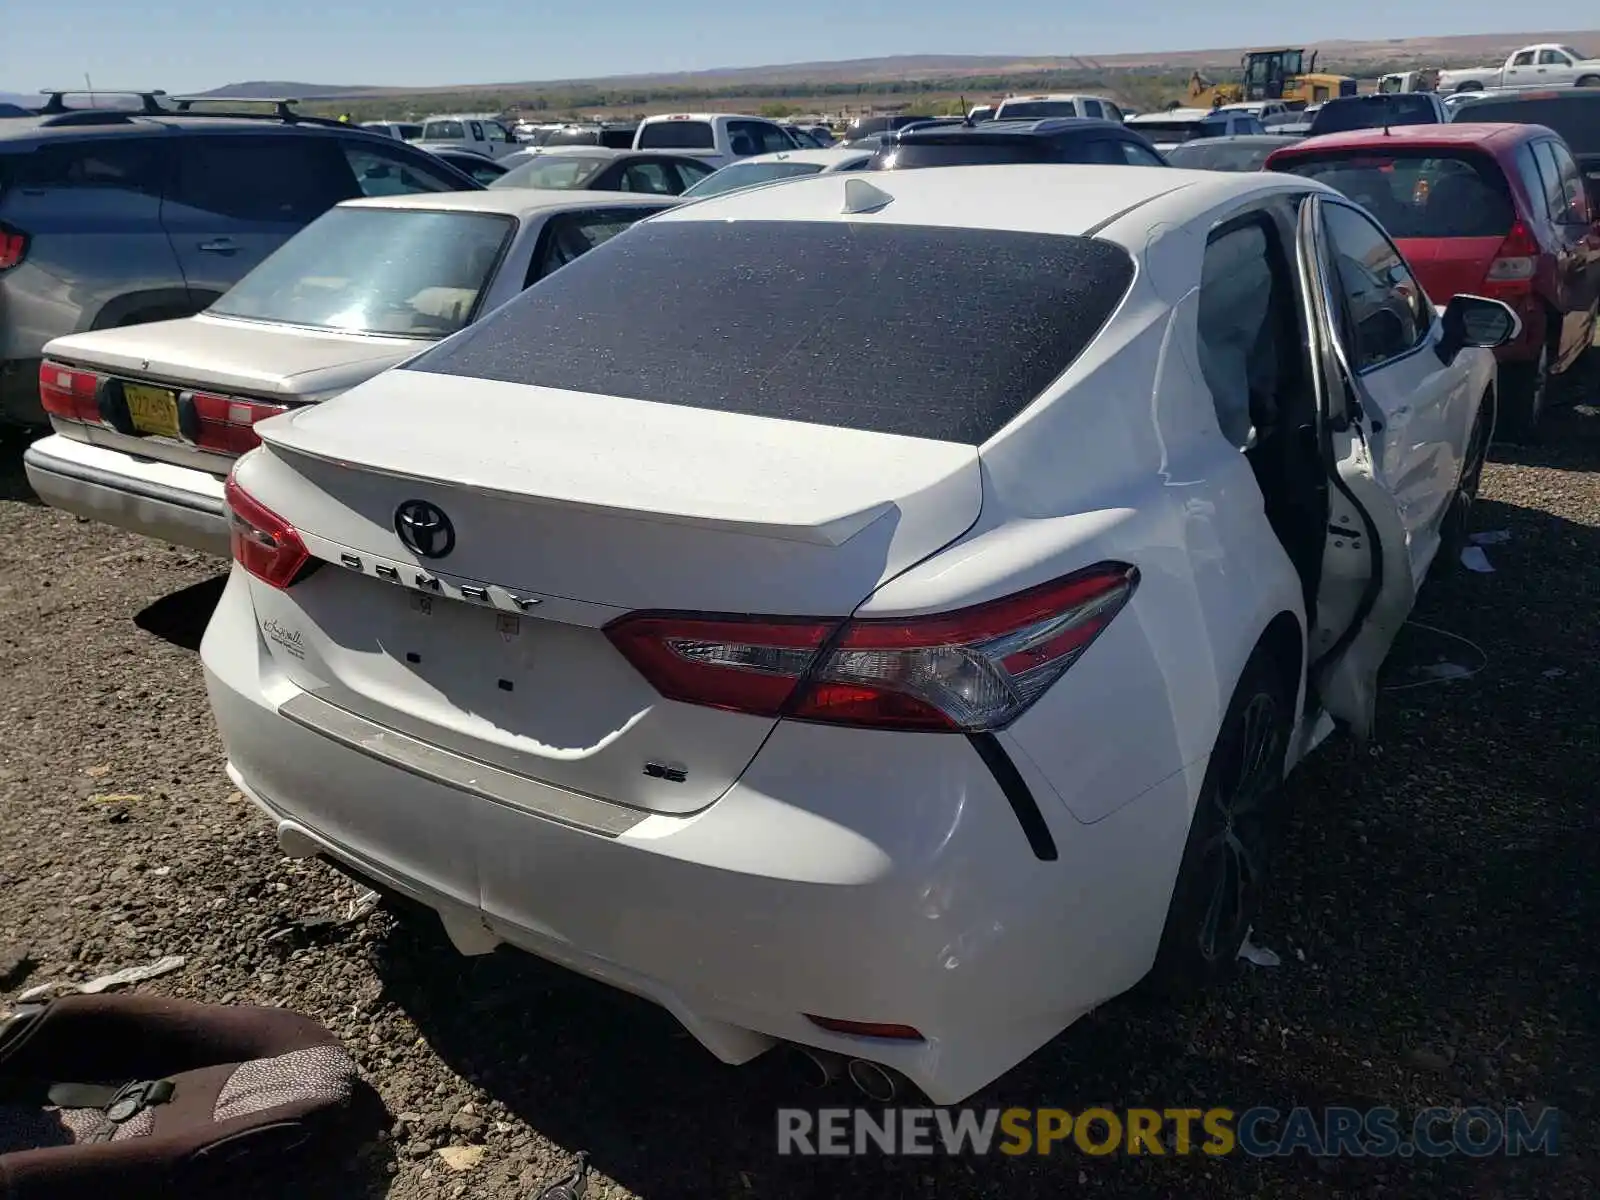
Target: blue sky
[{"x": 185, "y": 45}]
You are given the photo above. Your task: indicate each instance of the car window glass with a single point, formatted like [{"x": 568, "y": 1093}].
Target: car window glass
[
  {"x": 1555, "y": 197},
  {"x": 381, "y": 172},
  {"x": 1113, "y": 113},
  {"x": 495, "y": 132},
  {"x": 1236, "y": 329},
  {"x": 1550, "y": 58},
  {"x": 743, "y": 317},
  {"x": 567, "y": 236},
  {"x": 483, "y": 172},
  {"x": 677, "y": 135},
  {"x": 443, "y": 131},
  {"x": 1389, "y": 313},
  {"x": 119, "y": 164},
  {"x": 690, "y": 173},
  {"x": 1572, "y": 199},
  {"x": 1136, "y": 155},
  {"x": 648, "y": 177},
  {"x": 1523, "y": 59},
  {"x": 756, "y": 137},
  {"x": 553, "y": 171},
  {"x": 263, "y": 178},
  {"x": 393, "y": 271},
  {"x": 1091, "y": 108},
  {"x": 477, "y": 130},
  {"x": 1419, "y": 194}
]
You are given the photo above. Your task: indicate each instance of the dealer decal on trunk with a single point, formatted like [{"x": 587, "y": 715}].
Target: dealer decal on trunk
[{"x": 281, "y": 635}]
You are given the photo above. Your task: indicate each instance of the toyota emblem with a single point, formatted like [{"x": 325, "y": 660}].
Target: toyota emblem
[{"x": 424, "y": 529}]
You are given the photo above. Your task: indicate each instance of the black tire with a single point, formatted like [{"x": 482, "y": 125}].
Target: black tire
[
  {"x": 1469, "y": 87},
  {"x": 1457, "y": 526},
  {"x": 1524, "y": 390},
  {"x": 1589, "y": 81},
  {"x": 1232, "y": 834}
]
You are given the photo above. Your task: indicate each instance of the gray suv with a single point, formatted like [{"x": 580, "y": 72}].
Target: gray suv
[{"x": 118, "y": 217}]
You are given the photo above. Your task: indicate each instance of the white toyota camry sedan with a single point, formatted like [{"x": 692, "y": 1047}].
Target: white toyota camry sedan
[{"x": 903, "y": 704}]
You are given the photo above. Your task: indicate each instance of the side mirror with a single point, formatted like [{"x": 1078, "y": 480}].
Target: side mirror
[{"x": 1476, "y": 321}]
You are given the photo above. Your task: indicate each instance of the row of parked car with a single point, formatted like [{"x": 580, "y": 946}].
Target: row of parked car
[{"x": 591, "y": 589}]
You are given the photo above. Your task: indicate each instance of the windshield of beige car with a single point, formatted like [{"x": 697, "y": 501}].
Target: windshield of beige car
[{"x": 400, "y": 272}]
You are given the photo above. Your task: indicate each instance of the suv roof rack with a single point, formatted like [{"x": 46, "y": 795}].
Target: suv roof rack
[
  {"x": 149, "y": 99},
  {"x": 282, "y": 109}
]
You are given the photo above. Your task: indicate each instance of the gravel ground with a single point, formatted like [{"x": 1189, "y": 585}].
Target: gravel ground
[{"x": 1435, "y": 909}]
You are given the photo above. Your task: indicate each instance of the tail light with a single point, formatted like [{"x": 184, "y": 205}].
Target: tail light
[
  {"x": 963, "y": 672},
  {"x": 69, "y": 393},
  {"x": 263, "y": 543},
  {"x": 223, "y": 423},
  {"x": 1515, "y": 262},
  {"x": 13, "y": 247}
]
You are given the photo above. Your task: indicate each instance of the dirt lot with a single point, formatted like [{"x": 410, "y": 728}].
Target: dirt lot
[{"x": 1435, "y": 909}]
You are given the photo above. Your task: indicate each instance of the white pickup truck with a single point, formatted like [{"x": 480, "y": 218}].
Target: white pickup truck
[
  {"x": 476, "y": 133},
  {"x": 714, "y": 138},
  {"x": 1541, "y": 66}
]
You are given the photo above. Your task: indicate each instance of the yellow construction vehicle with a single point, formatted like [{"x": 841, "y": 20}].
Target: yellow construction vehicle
[{"x": 1272, "y": 75}]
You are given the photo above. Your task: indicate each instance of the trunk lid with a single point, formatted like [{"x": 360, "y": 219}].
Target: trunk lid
[
  {"x": 249, "y": 357},
  {"x": 255, "y": 360},
  {"x": 589, "y": 506}
]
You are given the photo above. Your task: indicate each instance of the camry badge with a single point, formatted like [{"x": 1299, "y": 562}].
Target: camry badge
[{"x": 424, "y": 529}]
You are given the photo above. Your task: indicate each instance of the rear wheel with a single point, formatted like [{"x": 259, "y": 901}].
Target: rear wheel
[
  {"x": 1589, "y": 81},
  {"x": 1523, "y": 388},
  {"x": 1231, "y": 834},
  {"x": 1470, "y": 87}
]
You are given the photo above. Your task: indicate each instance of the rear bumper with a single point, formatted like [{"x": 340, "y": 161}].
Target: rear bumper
[
  {"x": 862, "y": 876},
  {"x": 171, "y": 503}
]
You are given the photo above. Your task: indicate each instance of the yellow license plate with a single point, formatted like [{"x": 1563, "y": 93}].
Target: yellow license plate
[{"x": 154, "y": 410}]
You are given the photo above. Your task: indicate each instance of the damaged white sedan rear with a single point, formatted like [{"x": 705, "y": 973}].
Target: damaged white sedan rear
[{"x": 903, "y": 704}]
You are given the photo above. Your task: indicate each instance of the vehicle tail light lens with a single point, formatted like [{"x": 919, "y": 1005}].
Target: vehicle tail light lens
[
  {"x": 13, "y": 247},
  {"x": 225, "y": 424},
  {"x": 69, "y": 393},
  {"x": 1516, "y": 261},
  {"x": 963, "y": 672},
  {"x": 263, "y": 543}
]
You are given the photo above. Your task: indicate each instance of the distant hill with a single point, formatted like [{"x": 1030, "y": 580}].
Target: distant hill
[
  {"x": 277, "y": 87},
  {"x": 1458, "y": 50}
]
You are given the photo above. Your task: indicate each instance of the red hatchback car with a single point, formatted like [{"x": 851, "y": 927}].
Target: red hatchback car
[{"x": 1494, "y": 210}]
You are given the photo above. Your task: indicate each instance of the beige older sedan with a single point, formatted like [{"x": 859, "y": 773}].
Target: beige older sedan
[{"x": 148, "y": 419}]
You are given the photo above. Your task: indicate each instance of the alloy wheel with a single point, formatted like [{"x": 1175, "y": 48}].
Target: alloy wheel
[{"x": 1234, "y": 858}]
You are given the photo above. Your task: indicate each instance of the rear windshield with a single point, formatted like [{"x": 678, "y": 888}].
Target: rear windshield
[
  {"x": 748, "y": 174},
  {"x": 903, "y": 329},
  {"x": 1374, "y": 112},
  {"x": 1179, "y": 131},
  {"x": 401, "y": 272},
  {"x": 1215, "y": 154},
  {"x": 1576, "y": 118},
  {"x": 676, "y": 135},
  {"x": 1035, "y": 110},
  {"x": 553, "y": 171},
  {"x": 1421, "y": 193},
  {"x": 443, "y": 131},
  {"x": 965, "y": 152},
  {"x": 410, "y": 133}
]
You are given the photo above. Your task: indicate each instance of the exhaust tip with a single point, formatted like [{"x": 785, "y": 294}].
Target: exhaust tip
[
  {"x": 872, "y": 1081},
  {"x": 817, "y": 1068}
]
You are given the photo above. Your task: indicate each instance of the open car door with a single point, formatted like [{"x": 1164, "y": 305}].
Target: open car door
[{"x": 1366, "y": 589}]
